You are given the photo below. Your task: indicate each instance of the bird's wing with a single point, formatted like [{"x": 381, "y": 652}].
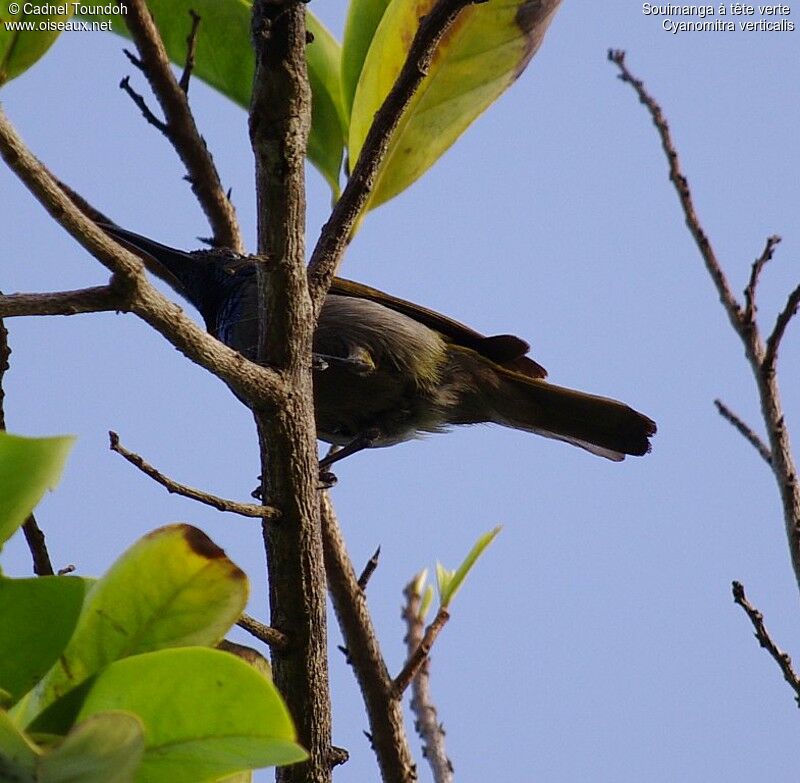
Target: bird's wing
[{"x": 503, "y": 349}]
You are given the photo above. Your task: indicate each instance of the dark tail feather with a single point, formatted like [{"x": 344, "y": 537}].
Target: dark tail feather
[{"x": 603, "y": 426}]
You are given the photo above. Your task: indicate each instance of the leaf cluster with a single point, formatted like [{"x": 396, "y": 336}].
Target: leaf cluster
[{"x": 116, "y": 679}]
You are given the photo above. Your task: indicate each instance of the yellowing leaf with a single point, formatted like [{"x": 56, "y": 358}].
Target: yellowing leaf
[
  {"x": 174, "y": 587},
  {"x": 484, "y": 51}
]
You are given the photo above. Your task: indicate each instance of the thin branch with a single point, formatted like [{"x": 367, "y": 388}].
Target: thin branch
[
  {"x": 761, "y": 359},
  {"x": 338, "y": 231},
  {"x": 782, "y": 321},
  {"x": 416, "y": 660},
  {"x": 746, "y": 431},
  {"x": 180, "y": 126},
  {"x": 369, "y": 570},
  {"x": 270, "y": 636},
  {"x": 191, "y": 46},
  {"x": 34, "y": 537},
  {"x": 255, "y": 383},
  {"x": 173, "y": 487},
  {"x": 427, "y": 723},
  {"x": 732, "y": 307},
  {"x": 147, "y": 112},
  {"x": 384, "y": 711},
  {"x": 755, "y": 272},
  {"x": 783, "y": 659},
  {"x": 103, "y": 298}
]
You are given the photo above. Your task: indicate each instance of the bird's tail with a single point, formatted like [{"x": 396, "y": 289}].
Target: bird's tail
[{"x": 603, "y": 426}]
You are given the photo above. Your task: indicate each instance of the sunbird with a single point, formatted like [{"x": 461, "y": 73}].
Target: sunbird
[{"x": 387, "y": 370}]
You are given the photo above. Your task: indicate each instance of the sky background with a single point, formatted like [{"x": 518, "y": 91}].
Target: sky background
[{"x": 597, "y": 639}]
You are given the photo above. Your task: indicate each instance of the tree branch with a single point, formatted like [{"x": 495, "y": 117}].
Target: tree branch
[
  {"x": 271, "y": 636},
  {"x": 427, "y": 723},
  {"x": 419, "y": 656},
  {"x": 761, "y": 360},
  {"x": 280, "y": 114},
  {"x": 180, "y": 127},
  {"x": 259, "y": 385},
  {"x": 369, "y": 570},
  {"x": 191, "y": 45},
  {"x": 783, "y": 659},
  {"x": 384, "y": 710},
  {"x": 755, "y": 272},
  {"x": 338, "y": 231},
  {"x": 732, "y": 307},
  {"x": 34, "y": 537},
  {"x": 744, "y": 430},
  {"x": 782, "y": 321},
  {"x": 173, "y": 487},
  {"x": 102, "y": 298}
]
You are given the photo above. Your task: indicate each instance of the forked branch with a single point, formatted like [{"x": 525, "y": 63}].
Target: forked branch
[{"x": 762, "y": 359}]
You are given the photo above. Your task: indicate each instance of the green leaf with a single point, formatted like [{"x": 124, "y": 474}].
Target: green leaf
[
  {"x": 363, "y": 17},
  {"x": 206, "y": 714},
  {"x": 105, "y": 748},
  {"x": 239, "y": 777},
  {"x": 21, "y": 48},
  {"x": 28, "y": 466},
  {"x": 328, "y": 116},
  {"x": 224, "y": 59},
  {"x": 174, "y": 587},
  {"x": 443, "y": 578},
  {"x": 425, "y": 603},
  {"x": 485, "y": 50},
  {"x": 449, "y": 587},
  {"x": 18, "y": 755},
  {"x": 38, "y": 618}
]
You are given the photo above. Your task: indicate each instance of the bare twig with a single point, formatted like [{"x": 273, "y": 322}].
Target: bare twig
[
  {"x": 369, "y": 569},
  {"x": 755, "y": 271},
  {"x": 746, "y": 431},
  {"x": 259, "y": 385},
  {"x": 338, "y": 230},
  {"x": 173, "y": 487},
  {"x": 147, "y": 113},
  {"x": 682, "y": 187},
  {"x": 271, "y": 636},
  {"x": 419, "y": 656},
  {"x": 384, "y": 711},
  {"x": 427, "y": 723},
  {"x": 103, "y": 298},
  {"x": 783, "y": 659},
  {"x": 781, "y": 322},
  {"x": 38, "y": 547},
  {"x": 33, "y": 534},
  {"x": 180, "y": 127},
  {"x": 191, "y": 46},
  {"x": 762, "y": 360}
]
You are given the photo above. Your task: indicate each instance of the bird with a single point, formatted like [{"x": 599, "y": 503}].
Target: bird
[{"x": 386, "y": 370}]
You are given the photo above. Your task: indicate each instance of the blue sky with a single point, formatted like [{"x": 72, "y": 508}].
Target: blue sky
[{"x": 597, "y": 639}]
